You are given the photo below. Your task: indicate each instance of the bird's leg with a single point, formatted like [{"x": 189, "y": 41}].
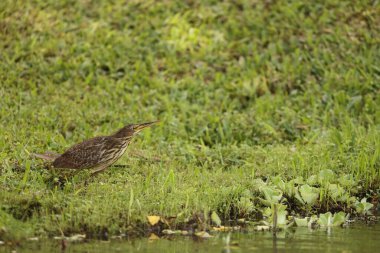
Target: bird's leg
[
  {"x": 94, "y": 172},
  {"x": 99, "y": 169}
]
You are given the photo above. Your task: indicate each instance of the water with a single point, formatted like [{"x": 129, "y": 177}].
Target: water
[{"x": 355, "y": 238}]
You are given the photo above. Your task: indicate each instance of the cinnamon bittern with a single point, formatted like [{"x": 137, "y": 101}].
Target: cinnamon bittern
[{"x": 97, "y": 153}]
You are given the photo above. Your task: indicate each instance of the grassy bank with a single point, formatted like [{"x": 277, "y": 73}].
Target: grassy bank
[{"x": 245, "y": 91}]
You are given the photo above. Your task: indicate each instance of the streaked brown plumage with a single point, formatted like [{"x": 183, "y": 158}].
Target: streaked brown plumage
[{"x": 97, "y": 153}]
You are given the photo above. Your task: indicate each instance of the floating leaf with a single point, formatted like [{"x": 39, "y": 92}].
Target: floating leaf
[
  {"x": 262, "y": 228},
  {"x": 73, "y": 238},
  {"x": 301, "y": 222},
  {"x": 363, "y": 207},
  {"x": 223, "y": 229},
  {"x": 215, "y": 218},
  {"x": 281, "y": 215},
  {"x": 203, "y": 234},
  {"x": 170, "y": 232},
  {"x": 325, "y": 219},
  {"x": 153, "y": 220},
  {"x": 339, "y": 219},
  {"x": 328, "y": 220}
]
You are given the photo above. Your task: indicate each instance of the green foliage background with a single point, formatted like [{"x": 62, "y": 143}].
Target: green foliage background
[{"x": 244, "y": 89}]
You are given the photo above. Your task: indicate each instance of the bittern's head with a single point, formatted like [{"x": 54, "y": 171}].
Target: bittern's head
[{"x": 132, "y": 129}]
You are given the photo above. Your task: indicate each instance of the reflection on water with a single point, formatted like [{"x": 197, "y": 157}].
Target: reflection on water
[{"x": 356, "y": 238}]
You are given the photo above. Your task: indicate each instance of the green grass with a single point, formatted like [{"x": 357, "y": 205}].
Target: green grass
[{"x": 244, "y": 90}]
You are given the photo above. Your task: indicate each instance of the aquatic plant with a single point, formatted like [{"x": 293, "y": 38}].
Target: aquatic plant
[{"x": 363, "y": 207}]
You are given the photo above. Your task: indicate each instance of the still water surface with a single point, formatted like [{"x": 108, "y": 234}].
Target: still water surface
[{"x": 355, "y": 238}]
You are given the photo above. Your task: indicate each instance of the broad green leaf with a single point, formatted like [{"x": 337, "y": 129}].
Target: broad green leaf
[
  {"x": 336, "y": 192},
  {"x": 363, "y": 207},
  {"x": 326, "y": 176},
  {"x": 245, "y": 205},
  {"x": 271, "y": 195},
  {"x": 298, "y": 180},
  {"x": 312, "y": 180},
  {"x": 258, "y": 183},
  {"x": 347, "y": 181},
  {"x": 290, "y": 189},
  {"x": 328, "y": 220},
  {"x": 267, "y": 212},
  {"x": 325, "y": 219},
  {"x": 339, "y": 219},
  {"x": 281, "y": 215},
  {"x": 278, "y": 182},
  {"x": 215, "y": 218},
  {"x": 309, "y": 194}
]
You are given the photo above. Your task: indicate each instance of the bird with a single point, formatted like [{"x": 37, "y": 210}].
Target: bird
[{"x": 97, "y": 153}]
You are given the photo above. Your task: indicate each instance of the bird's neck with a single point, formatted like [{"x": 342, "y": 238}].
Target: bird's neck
[
  {"x": 124, "y": 133},
  {"x": 123, "y": 138}
]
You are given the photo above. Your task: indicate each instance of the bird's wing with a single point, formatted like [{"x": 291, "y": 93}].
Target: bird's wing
[{"x": 86, "y": 154}]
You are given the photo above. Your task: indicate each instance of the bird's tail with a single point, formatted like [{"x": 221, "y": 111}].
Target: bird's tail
[{"x": 49, "y": 156}]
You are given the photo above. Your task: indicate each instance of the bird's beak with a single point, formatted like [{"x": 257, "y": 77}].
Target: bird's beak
[{"x": 138, "y": 127}]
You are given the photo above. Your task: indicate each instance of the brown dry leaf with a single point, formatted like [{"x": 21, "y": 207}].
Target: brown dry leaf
[{"x": 153, "y": 220}]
